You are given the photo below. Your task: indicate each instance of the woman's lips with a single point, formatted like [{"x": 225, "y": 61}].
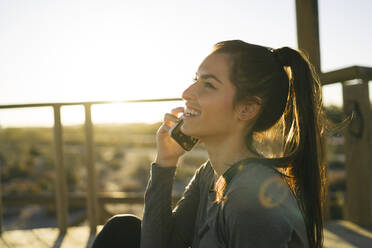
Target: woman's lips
[{"x": 191, "y": 106}]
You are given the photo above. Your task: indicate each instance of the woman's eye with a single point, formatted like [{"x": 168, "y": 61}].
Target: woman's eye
[
  {"x": 209, "y": 85},
  {"x": 205, "y": 84}
]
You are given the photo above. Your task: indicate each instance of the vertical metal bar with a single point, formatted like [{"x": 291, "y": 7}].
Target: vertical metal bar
[
  {"x": 61, "y": 187},
  {"x": 92, "y": 188},
  {"x": 308, "y": 30}
]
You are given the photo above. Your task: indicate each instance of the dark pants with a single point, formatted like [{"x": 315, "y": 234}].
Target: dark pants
[{"x": 120, "y": 231}]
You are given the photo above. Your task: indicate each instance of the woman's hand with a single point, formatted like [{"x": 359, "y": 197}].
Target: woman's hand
[{"x": 168, "y": 151}]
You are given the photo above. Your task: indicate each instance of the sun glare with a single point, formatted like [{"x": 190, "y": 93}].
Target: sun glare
[{"x": 148, "y": 112}]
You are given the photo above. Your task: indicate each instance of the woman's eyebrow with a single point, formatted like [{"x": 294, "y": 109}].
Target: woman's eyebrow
[{"x": 206, "y": 76}]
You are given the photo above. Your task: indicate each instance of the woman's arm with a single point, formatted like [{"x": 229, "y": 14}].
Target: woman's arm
[{"x": 162, "y": 227}]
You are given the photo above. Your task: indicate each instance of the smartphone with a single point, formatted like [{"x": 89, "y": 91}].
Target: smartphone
[{"x": 185, "y": 141}]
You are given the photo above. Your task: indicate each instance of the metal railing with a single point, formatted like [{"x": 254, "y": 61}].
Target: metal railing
[{"x": 92, "y": 198}]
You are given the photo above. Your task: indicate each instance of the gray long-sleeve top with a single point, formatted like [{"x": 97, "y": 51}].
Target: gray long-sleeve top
[{"x": 260, "y": 210}]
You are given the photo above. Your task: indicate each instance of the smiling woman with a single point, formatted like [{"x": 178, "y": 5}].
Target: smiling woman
[{"x": 240, "y": 197}]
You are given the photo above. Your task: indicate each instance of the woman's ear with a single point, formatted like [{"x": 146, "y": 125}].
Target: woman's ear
[{"x": 248, "y": 110}]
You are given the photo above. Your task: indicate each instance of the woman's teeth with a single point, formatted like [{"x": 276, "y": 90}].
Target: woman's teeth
[{"x": 190, "y": 112}]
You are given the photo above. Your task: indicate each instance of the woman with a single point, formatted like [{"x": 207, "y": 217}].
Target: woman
[{"x": 245, "y": 100}]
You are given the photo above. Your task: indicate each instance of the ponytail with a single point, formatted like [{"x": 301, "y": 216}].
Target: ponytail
[{"x": 304, "y": 145}]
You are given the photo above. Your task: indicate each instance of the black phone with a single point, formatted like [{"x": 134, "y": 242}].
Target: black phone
[{"x": 185, "y": 141}]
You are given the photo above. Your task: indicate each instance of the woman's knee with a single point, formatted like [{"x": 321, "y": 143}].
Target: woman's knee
[
  {"x": 119, "y": 230},
  {"x": 124, "y": 221}
]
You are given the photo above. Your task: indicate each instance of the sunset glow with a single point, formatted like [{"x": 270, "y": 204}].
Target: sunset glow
[{"x": 75, "y": 51}]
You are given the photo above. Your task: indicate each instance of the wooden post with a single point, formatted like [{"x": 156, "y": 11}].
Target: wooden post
[
  {"x": 61, "y": 187},
  {"x": 1, "y": 206},
  {"x": 358, "y": 151},
  {"x": 308, "y": 30},
  {"x": 89, "y": 157}
]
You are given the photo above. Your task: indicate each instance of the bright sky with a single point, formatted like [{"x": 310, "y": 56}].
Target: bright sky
[{"x": 82, "y": 50}]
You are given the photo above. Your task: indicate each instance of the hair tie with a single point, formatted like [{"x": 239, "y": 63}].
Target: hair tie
[{"x": 284, "y": 55}]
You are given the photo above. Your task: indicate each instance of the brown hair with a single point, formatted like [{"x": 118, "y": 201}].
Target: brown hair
[{"x": 292, "y": 112}]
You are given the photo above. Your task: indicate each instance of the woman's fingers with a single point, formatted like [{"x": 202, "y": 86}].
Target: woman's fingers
[
  {"x": 177, "y": 111},
  {"x": 168, "y": 151},
  {"x": 171, "y": 118}
]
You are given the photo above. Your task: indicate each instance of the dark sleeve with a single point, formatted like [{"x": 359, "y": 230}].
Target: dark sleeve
[
  {"x": 162, "y": 227},
  {"x": 249, "y": 223}
]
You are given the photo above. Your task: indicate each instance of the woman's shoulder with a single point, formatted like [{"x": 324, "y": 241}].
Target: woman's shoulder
[
  {"x": 254, "y": 175},
  {"x": 258, "y": 183},
  {"x": 260, "y": 189},
  {"x": 259, "y": 199}
]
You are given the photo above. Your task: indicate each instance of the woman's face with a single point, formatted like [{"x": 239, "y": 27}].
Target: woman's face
[{"x": 209, "y": 100}]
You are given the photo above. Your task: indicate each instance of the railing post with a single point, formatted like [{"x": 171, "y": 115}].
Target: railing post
[
  {"x": 61, "y": 187},
  {"x": 358, "y": 147},
  {"x": 1, "y": 207},
  {"x": 308, "y": 30},
  {"x": 89, "y": 158}
]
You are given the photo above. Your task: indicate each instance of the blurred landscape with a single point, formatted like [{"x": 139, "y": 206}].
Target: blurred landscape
[{"x": 123, "y": 154}]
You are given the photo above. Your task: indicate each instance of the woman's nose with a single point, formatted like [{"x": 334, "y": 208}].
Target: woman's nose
[{"x": 189, "y": 93}]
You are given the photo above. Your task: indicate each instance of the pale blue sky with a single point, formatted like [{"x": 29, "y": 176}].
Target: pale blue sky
[{"x": 79, "y": 50}]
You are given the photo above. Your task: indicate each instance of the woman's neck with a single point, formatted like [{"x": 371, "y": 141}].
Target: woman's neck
[{"x": 223, "y": 152}]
